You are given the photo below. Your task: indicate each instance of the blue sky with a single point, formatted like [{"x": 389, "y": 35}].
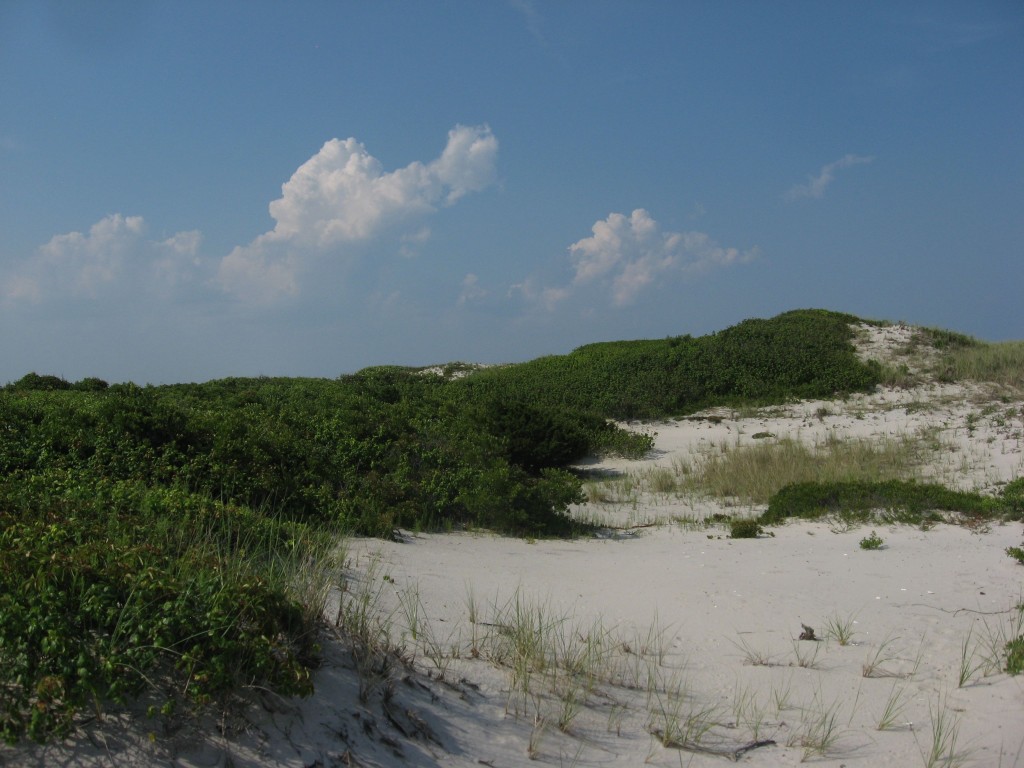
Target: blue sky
[{"x": 194, "y": 190}]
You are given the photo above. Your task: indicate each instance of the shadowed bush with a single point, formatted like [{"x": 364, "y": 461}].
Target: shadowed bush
[
  {"x": 906, "y": 501},
  {"x": 108, "y": 588}
]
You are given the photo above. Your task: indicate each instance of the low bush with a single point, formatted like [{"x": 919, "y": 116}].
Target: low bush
[
  {"x": 905, "y": 501},
  {"x": 104, "y": 593},
  {"x": 745, "y": 529},
  {"x": 873, "y": 541},
  {"x": 1015, "y": 656},
  {"x": 1013, "y": 495}
]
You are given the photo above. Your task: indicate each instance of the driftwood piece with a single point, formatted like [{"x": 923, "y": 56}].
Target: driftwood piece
[{"x": 733, "y": 753}]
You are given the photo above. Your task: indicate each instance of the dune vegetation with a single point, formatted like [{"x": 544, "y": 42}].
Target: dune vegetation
[{"x": 178, "y": 542}]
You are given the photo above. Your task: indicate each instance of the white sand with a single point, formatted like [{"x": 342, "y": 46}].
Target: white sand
[{"x": 693, "y": 607}]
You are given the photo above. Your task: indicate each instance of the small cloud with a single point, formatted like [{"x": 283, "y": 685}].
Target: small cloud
[
  {"x": 816, "y": 185},
  {"x": 342, "y": 195},
  {"x": 529, "y": 292},
  {"x": 632, "y": 253},
  {"x": 532, "y": 17},
  {"x": 471, "y": 290}
]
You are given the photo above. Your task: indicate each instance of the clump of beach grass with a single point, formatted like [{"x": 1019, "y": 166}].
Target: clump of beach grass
[
  {"x": 1000, "y": 363},
  {"x": 678, "y": 721},
  {"x": 942, "y": 750},
  {"x": 1001, "y": 645},
  {"x": 821, "y": 728},
  {"x": 367, "y": 628},
  {"x": 969, "y": 664},
  {"x": 882, "y": 663},
  {"x": 840, "y": 628},
  {"x": 754, "y": 473}
]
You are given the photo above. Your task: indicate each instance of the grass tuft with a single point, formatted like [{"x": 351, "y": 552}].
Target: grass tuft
[
  {"x": 945, "y": 732},
  {"x": 840, "y": 628}
]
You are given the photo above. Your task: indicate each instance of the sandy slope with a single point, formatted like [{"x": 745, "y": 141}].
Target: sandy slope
[{"x": 679, "y": 608}]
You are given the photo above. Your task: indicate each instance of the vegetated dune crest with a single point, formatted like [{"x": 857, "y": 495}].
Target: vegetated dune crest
[{"x": 662, "y": 640}]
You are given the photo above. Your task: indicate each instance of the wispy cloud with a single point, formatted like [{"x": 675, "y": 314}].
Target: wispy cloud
[
  {"x": 816, "y": 185},
  {"x": 113, "y": 256},
  {"x": 342, "y": 195},
  {"x": 532, "y": 17},
  {"x": 625, "y": 255},
  {"x": 530, "y": 291},
  {"x": 471, "y": 290}
]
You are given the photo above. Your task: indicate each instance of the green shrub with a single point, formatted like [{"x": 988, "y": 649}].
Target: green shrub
[
  {"x": 805, "y": 353},
  {"x": 873, "y": 541},
  {"x": 1017, "y": 553},
  {"x": 900, "y": 500},
  {"x": 535, "y": 437},
  {"x": 90, "y": 384},
  {"x": 1014, "y": 489},
  {"x": 744, "y": 529},
  {"x": 33, "y": 382},
  {"x": 1015, "y": 656},
  {"x": 1013, "y": 497},
  {"x": 100, "y": 599}
]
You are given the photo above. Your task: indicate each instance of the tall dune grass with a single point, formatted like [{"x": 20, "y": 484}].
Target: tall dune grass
[
  {"x": 753, "y": 474},
  {"x": 999, "y": 363}
]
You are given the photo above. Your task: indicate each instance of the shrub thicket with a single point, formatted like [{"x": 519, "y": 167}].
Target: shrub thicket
[
  {"x": 804, "y": 353},
  {"x": 107, "y": 587}
]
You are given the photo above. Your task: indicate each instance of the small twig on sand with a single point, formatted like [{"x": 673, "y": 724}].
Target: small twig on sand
[{"x": 732, "y": 754}]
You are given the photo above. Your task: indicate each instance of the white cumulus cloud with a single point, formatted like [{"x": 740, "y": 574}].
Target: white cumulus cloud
[
  {"x": 816, "y": 185},
  {"x": 86, "y": 261},
  {"x": 114, "y": 251},
  {"x": 342, "y": 195},
  {"x": 630, "y": 253}
]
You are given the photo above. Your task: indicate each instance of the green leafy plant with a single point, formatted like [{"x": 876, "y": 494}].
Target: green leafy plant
[
  {"x": 1015, "y": 656},
  {"x": 94, "y": 606},
  {"x": 745, "y": 529},
  {"x": 872, "y": 541},
  {"x": 899, "y": 500},
  {"x": 1017, "y": 553}
]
